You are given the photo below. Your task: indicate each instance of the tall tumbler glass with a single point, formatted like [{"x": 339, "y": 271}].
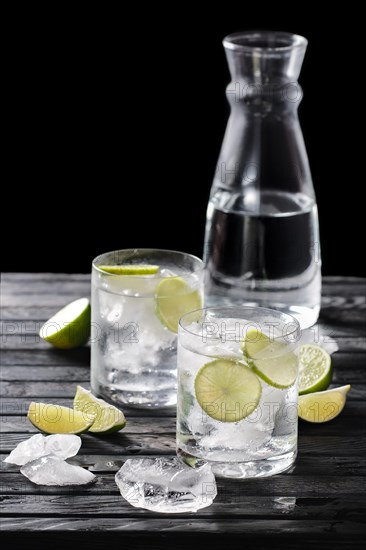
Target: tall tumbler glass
[
  {"x": 138, "y": 296},
  {"x": 237, "y": 390}
]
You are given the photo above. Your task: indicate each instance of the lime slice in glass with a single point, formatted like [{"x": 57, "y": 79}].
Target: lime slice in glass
[
  {"x": 227, "y": 390},
  {"x": 106, "y": 418},
  {"x": 323, "y": 406},
  {"x": 270, "y": 359},
  {"x": 173, "y": 298},
  {"x": 130, "y": 269},
  {"x": 54, "y": 419},
  {"x": 69, "y": 327},
  {"x": 315, "y": 369}
]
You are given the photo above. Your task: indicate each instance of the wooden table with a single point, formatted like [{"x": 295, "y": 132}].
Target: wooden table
[{"x": 322, "y": 501}]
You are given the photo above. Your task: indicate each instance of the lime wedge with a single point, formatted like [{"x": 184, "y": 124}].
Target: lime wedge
[
  {"x": 271, "y": 360},
  {"x": 130, "y": 269},
  {"x": 54, "y": 419},
  {"x": 227, "y": 390},
  {"x": 173, "y": 298},
  {"x": 323, "y": 406},
  {"x": 315, "y": 369},
  {"x": 69, "y": 327},
  {"x": 106, "y": 418}
]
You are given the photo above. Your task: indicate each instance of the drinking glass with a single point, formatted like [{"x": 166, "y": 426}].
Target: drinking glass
[
  {"x": 138, "y": 296},
  {"x": 237, "y": 390}
]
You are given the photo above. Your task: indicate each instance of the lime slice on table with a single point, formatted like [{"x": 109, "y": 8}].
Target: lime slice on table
[
  {"x": 69, "y": 327},
  {"x": 106, "y": 418},
  {"x": 132, "y": 269},
  {"x": 270, "y": 359},
  {"x": 54, "y": 419},
  {"x": 227, "y": 390},
  {"x": 173, "y": 298},
  {"x": 315, "y": 369},
  {"x": 323, "y": 406}
]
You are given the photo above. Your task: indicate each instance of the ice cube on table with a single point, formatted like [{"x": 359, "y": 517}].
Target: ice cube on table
[
  {"x": 52, "y": 470},
  {"x": 61, "y": 445},
  {"x": 166, "y": 485},
  {"x": 27, "y": 450}
]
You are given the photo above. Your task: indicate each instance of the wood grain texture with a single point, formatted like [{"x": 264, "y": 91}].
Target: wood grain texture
[{"x": 319, "y": 503}]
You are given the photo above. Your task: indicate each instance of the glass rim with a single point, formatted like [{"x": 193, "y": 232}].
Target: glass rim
[
  {"x": 270, "y": 311},
  {"x": 197, "y": 269},
  {"x": 233, "y": 41}
]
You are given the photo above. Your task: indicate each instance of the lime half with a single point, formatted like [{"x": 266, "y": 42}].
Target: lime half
[
  {"x": 323, "y": 406},
  {"x": 69, "y": 327},
  {"x": 106, "y": 418},
  {"x": 130, "y": 269},
  {"x": 173, "y": 298},
  {"x": 54, "y": 419},
  {"x": 315, "y": 369},
  {"x": 271, "y": 360},
  {"x": 227, "y": 390}
]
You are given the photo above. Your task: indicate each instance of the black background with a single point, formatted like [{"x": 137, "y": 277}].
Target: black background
[{"x": 116, "y": 122}]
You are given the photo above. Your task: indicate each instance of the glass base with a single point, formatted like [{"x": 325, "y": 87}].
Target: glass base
[
  {"x": 140, "y": 399},
  {"x": 244, "y": 470}
]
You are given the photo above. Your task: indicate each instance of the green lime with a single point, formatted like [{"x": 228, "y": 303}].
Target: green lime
[
  {"x": 227, "y": 390},
  {"x": 54, "y": 419},
  {"x": 323, "y": 406},
  {"x": 130, "y": 269},
  {"x": 315, "y": 369},
  {"x": 173, "y": 298},
  {"x": 69, "y": 327},
  {"x": 254, "y": 342},
  {"x": 106, "y": 418},
  {"x": 270, "y": 359}
]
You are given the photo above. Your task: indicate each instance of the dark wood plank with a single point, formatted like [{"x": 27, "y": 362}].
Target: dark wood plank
[
  {"x": 145, "y": 527},
  {"x": 239, "y": 506},
  {"x": 16, "y": 277},
  {"x": 134, "y": 443},
  {"x": 341, "y": 424},
  {"x": 50, "y": 356},
  {"x": 63, "y": 287},
  {"x": 45, "y": 374},
  {"x": 120, "y": 443},
  {"x": 304, "y": 466},
  {"x": 231, "y": 491},
  {"x": 21, "y": 424}
]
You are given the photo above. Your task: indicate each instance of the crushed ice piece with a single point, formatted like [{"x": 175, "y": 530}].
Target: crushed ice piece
[
  {"x": 61, "y": 445},
  {"x": 52, "y": 470},
  {"x": 166, "y": 485}
]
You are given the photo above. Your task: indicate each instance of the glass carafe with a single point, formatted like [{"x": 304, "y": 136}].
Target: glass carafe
[{"x": 262, "y": 238}]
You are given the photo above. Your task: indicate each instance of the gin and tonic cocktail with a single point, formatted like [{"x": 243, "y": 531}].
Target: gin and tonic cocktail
[
  {"x": 237, "y": 390},
  {"x": 138, "y": 296}
]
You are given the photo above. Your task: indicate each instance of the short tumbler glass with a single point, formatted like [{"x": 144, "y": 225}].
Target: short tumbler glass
[
  {"x": 237, "y": 390},
  {"x": 135, "y": 315}
]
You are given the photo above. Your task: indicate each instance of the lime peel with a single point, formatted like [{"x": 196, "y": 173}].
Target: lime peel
[
  {"x": 130, "y": 269},
  {"x": 69, "y": 327},
  {"x": 323, "y": 406},
  {"x": 106, "y": 418},
  {"x": 271, "y": 360},
  {"x": 315, "y": 369}
]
